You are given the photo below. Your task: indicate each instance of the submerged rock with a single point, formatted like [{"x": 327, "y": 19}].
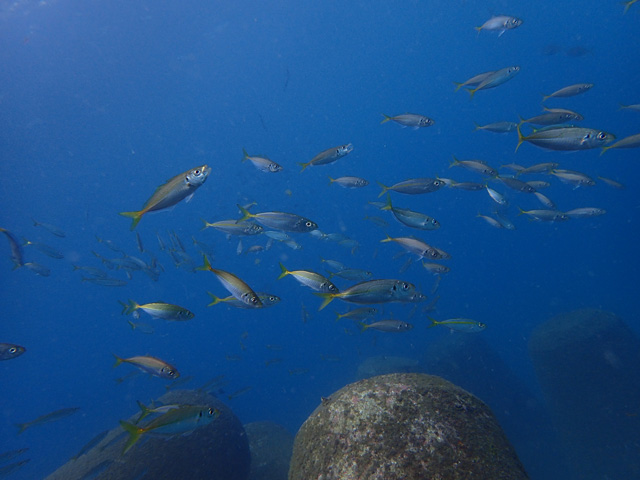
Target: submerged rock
[
  {"x": 403, "y": 426},
  {"x": 271, "y": 446},
  {"x": 587, "y": 364},
  {"x": 218, "y": 451}
]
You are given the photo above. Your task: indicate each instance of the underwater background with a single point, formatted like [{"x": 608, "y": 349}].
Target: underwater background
[{"x": 102, "y": 102}]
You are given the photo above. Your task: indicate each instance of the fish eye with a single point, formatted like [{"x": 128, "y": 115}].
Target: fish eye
[
  {"x": 171, "y": 373},
  {"x": 405, "y": 286},
  {"x": 481, "y": 325},
  {"x": 308, "y": 224},
  {"x": 13, "y": 350},
  {"x": 197, "y": 172},
  {"x": 602, "y": 136},
  {"x": 272, "y": 298},
  {"x": 210, "y": 411},
  {"x": 434, "y": 221}
]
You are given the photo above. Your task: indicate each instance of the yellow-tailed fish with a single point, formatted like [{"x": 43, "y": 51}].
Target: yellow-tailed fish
[
  {"x": 569, "y": 91},
  {"x": 459, "y": 325},
  {"x": 498, "y": 127},
  {"x": 478, "y": 166},
  {"x": 566, "y": 138},
  {"x": 328, "y": 156},
  {"x": 267, "y": 300},
  {"x": 500, "y": 23},
  {"x": 361, "y": 313},
  {"x": 52, "y": 229},
  {"x": 542, "y": 215},
  {"x": 412, "y": 120},
  {"x": 313, "y": 280},
  {"x": 173, "y": 191},
  {"x": 165, "y": 311},
  {"x": 16, "y": 248},
  {"x": 349, "y": 182},
  {"x": 49, "y": 417},
  {"x": 632, "y": 141},
  {"x": 473, "y": 81},
  {"x": 410, "y": 218},
  {"x": 372, "y": 291},
  {"x": 262, "y": 163},
  {"x": 9, "y": 351},
  {"x": 386, "y": 326},
  {"x": 151, "y": 365},
  {"x": 289, "y": 222},
  {"x": 177, "y": 421},
  {"x": 414, "y": 186},
  {"x": 234, "y": 285},
  {"x": 146, "y": 411},
  {"x": 495, "y": 79},
  {"x": 418, "y": 247}
]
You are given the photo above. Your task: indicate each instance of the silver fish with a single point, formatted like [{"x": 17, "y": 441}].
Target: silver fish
[
  {"x": 349, "y": 182},
  {"x": 496, "y": 78},
  {"x": 569, "y": 91},
  {"x": 566, "y": 138},
  {"x": 498, "y": 127},
  {"x": 474, "y": 81},
  {"x": 288, "y": 222},
  {"x": 585, "y": 212},
  {"x": 16, "y": 248},
  {"x": 262, "y": 163},
  {"x": 328, "y": 156},
  {"x": 410, "y": 218},
  {"x": 9, "y": 351},
  {"x": 632, "y": 141},
  {"x": 414, "y": 186},
  {"x": 412, "y": 120},
  {"x": 500, "y": 23},
  {"x": 387, "y": 326},
  {"x": 372, "y": 291}
]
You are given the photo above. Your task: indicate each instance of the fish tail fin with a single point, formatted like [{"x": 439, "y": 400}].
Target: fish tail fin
[
  {"x": 521, "y": 211},
  {"x": 627, "y": 5},
  {"x": 472, "y": 92},
  {"x": 327, "y": 298},
  {"x": 433, "y": 323},
  {"x": 245, "y": 155},
  {"x": 363, "y": 326},
  {"x": 133, "y": 325},
  {"x": 478, "y": 29},
  {"x": 454, "y": 162},
  {"x": 284, "y": 271},
  {"x": 331, "y": 180},
  {"x": 144, "y": 411},
  {"x": 388, "y": 239},
  {"x": 136, "y": 216},
  {"x": 206, "y": 266},
  {"x": 388, "y": 205},
  {"x": 304, "y": 165},
  {"x": 206, "y": 224},
  {"x": 476, "y": 127},
  {"x": 22, "y": 426},
  {"x": 216, "y": 300},
  {"x": 384, "y": 188},
  {"x": 520, "y": 137},
  {"x": 544, "y": 97},
  {"x": 522, "y": 120},
  {"x": 386, "y": 118},
  {"x": 604, "y": 149},
  {"x": 458, "y": 85},
  {"x": 339, "y": 316},
  {"x": 128, "y": 308},
  {"x": 134, "y": 434},
  {"x": 246, "y": 214},
  {"x": 118, "y": 360}
]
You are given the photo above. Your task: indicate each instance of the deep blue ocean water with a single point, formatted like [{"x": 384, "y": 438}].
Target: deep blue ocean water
[{"x": 101, "y": 102}]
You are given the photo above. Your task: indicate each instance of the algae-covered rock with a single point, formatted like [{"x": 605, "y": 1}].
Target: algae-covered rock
[
  {"x": 403, "y": 426},
  {"x": 271, "y": 446},
  {"x": 217, "y": 451}
]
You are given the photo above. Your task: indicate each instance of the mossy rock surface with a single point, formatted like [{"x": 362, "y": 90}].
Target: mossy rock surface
[{"x": 403, "y": 426}]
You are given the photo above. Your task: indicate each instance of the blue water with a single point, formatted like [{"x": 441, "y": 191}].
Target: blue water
[{"x": 101, "y": 102}]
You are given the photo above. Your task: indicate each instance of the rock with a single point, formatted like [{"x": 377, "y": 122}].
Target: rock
[
  {"x": 271, "y": 445},
  {"x": 218, "y": 451},
  {"x": 383, "y": 365},
  {"x": 403, "y": 426},
  {"x": 587, "y": 364}
]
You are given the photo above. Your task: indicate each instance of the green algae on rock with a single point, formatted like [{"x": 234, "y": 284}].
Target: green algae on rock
[{"x": 403, "y": 426}]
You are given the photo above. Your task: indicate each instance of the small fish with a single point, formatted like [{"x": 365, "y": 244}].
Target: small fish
[
  {"x": 410, "y": 120},
  {"x": 7, "y": 470},
  {"x": 478, "y": 166},
  {"x": 151, "y": 365},
  {"x": 377, "y": 221},
  {"x": 172, "y": 192},
  {"x": 262, "y": 163},
  {"x": 627, "y": 5},
  {"x": 233, "y": 227},
  {"x": 414, "y": 186},
  {"x": 410, "y": 218},
  {"x": 538, "y": 168},
  {"x": 491, "y": 221},
  {"x": 105, "y": 281},
  {"x": 517, "y": 185},
  {"x": 38, "y": 269},
  {"x": 576, "y": 179},
  {"x": 9, "y": 351},
  {"x": 361, "y": 313},
  {"x": 161, "y": 410},
  {"x": 566, "y": 138},
  {"x": 349, "y": 182},
  {"x": 612, "y": 183},
  {"x": 435, "y": 268},
  {"x": 459, "y": 325},
  {"x": 177, "y": 421},
  {"x": 544, "y": 200},
  {"x": 11, "y": 454},
  {"x": 632, "y": 141},
  {"x": 16, "y": 248},
  {"x": 553, "y": 118},
  {"x": 139, "y": 242},
  {"x": 418, "y": 247},
  {"x": 569, "y": 91},
  {"x": 313, "y": 280},
  {"x": 273, "y": 361},
  {"x": 234, "y": 285},
  {"x": 635, "y": 107},
  {"x": 585, "y": 212},
  {"x": 49, "y": 417},
  {"x": 165, "y": 311},
  {"x": 496, "y": 196},
  {"x": 355, "y": 274},
  {"x": 500, "y": 23},
  {"x": 372, "y": 291},
  {"x": 298, "y": 371},
  {"x": 386, "y": 326},
  {"x": 474, "y": 81},
  {"x": 498, "y": 127},
  {"x": 538, "y": 184},
  {"x": 497, "y": 78},
  {"x": 288, "y": 222},
  {"x": 469, "y": 186},
  {"x": 46, "y": 249},
  {"x": 545, "y": 215},
  {"x": 141, "y": 327},
  {"x": 58, "y": 232},
  {"x": 328, "y": 156},
  {"x": 238, "y": 393}
]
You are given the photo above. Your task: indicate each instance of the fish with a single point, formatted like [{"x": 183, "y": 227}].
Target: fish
[
  {"x": 435, "y": 268},
  {"x": 165, "y": 311},
  {"x": 52, "y": 229},
  {"x": 418, "y": 247},
  {"x": 377, "y": 221},
  {"x": 469, "y": 186},
  {"x": 545, "y": 215},
  {"x": 632, "y": 141},
  {"x": 585, "y": 212},
  {"x": 146, "y": 411},
  {"x": 538, "y": 168},
  {"x": 38, "y": 269},
  {"x": 236, "y": 287},
  {"x": 544, "y": 200},
  {"x": 298, "y": 371},
  {"x": 496, "y": 196},
  {"x": 181, "y": 420},
  {"x": 478, "y": 166},
  {"x": 170, "y": 193},
  {"x": 410, "y": 218},
  {"x": 474, "y": 81},
  {"x": 491, "y": 221},
  {"x": 49, "y": 417},
  {"x": 46, "y": 249},
  {"x": 105, "y": 281},
  {"x": 233, "y": 227},
  {"x": 356, "y": 274},
  {"x": 328, "y": 156},
  {"x": 141, "y": 327},
  {"x": 7, "y": 470},
  {"x": 414, "y": 186},
  {"x": 566, "y": 138},
  {"x": 517, "y": 185},
  {"x": 151, "y": 365},
  {"x": 386, "y": 326},
  {"x": 459, "y": 325},
  {"x": 313, "y": 280},
  {"x": 576, "y": 179},
  {"x": 16, "y": 249},
  {"x": 412, "y": 120},
  {"x": 11, "y": 454},
  {"x": 538, "y": 184},
  {"x": 139, "y": 242},
  {"x": 500, "y": 23},
  {"x": 372, "y": 291},
  {"x": 349, "y": 182},
  {"x": 612, "y": 183},
  {"x": 273, "y": 361},
  {"x": 361, "y": 313},
  {"x": 635, "y": 107},
  {"x": 262, "y": 163},
  {"x": 238, "y": 393},
  {"x": 495, "y": 79},
  {"x": 553, "y": 118},
  {"x": 10, "y": 351},
  {"x": 569, "y": 91},
  {"x": 627, "y": 5},
  {"x": 498, "y": 127},
  {"x": 289, "y": 222}
]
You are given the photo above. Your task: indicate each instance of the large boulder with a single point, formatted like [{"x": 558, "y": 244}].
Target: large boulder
[
  {"x": 217, "y": 451},
  {"x": 271, "y": 446},
  {"x": 403, "y": 426}
]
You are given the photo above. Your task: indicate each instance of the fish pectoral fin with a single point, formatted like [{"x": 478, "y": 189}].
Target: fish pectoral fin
[{"x": 188, "y": 199}]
